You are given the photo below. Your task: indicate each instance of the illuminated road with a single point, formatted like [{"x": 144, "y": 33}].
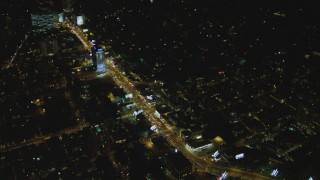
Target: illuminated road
[
  {"x": 15, "y": 54},
  {"x": 41, "y": 139},
  {"x": 200, "y": 163}
]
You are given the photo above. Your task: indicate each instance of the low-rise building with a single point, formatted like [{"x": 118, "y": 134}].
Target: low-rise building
[
  {"x": 198, "y": 145},
  {"x": 179, "y": 165}
]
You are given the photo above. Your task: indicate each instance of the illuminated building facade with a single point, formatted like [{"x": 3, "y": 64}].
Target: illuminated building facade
[
  {"x": 198, "y": 145},
  {"x": 101, "y": 64},
  {"x": 43, "y": 21}
]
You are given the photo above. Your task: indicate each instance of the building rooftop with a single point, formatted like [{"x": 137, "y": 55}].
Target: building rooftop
[{"x": 178, "y": 161}]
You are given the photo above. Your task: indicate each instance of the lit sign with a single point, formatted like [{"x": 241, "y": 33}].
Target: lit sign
[
  {"x": 154, "y": 127},
  {"x": 137, "y": 112},
  {"x": 149, "y": 97},
  {"x": 240, "y": 156},
  {"x": 275, "y": 172},
  {"x": 215, "y": 154},
  {"x": 223, "y": 176},
  {"x": 157, "y": 114}
]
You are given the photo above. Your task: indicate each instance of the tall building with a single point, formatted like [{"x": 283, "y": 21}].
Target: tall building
[
  {"x": 61, "y": 18},
  {"x": 80, "y": 20},
  {"x": 67, "y": 5},
  {"x": 94, "y": 49},
  {"x": 179, "y": 165},
  {"x": 101, "y": 64},
  {"x": 49, "y": 47}
]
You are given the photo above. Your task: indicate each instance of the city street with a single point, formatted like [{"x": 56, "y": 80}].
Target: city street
[{"x": 200, "y": 163}]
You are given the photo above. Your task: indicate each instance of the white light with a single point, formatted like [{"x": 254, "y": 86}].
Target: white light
[
  {"x": 129, "y": 96},
  {"x": 79, "y": 20},
  {"x": 224, "y": 175},
  {"x": 240, "y": 156},
  {"x": 137, "y": 112},
  {"x": 215, "y": 154},
  {"x": 275, "y": 172},
  {"x": 310, "y": 178},
  {"x": 149, "y": 97},
  {"x": 154, "y": 127},
  {"x": 61, "y": 19}
]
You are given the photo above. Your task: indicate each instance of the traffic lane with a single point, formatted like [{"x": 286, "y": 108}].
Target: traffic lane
[{"x": 125, "y": 79}]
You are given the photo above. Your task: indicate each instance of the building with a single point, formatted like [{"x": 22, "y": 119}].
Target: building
[
  {"x": 101, "y": 64},
  {"x": 196, "y": 132},
  {"x": 49, "y": 47},
  {"x": 43, "y": 21},
  {"x": 67, "y": 5},
  {"x": 94, "y": 49},
  {"x": 179, "y": 165},
  {"x": 198, "y": 145},
  {"x": 61, "y": 18},
  {"x": 80, "y": 20},
  {"x": 185, "y": 134}
]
